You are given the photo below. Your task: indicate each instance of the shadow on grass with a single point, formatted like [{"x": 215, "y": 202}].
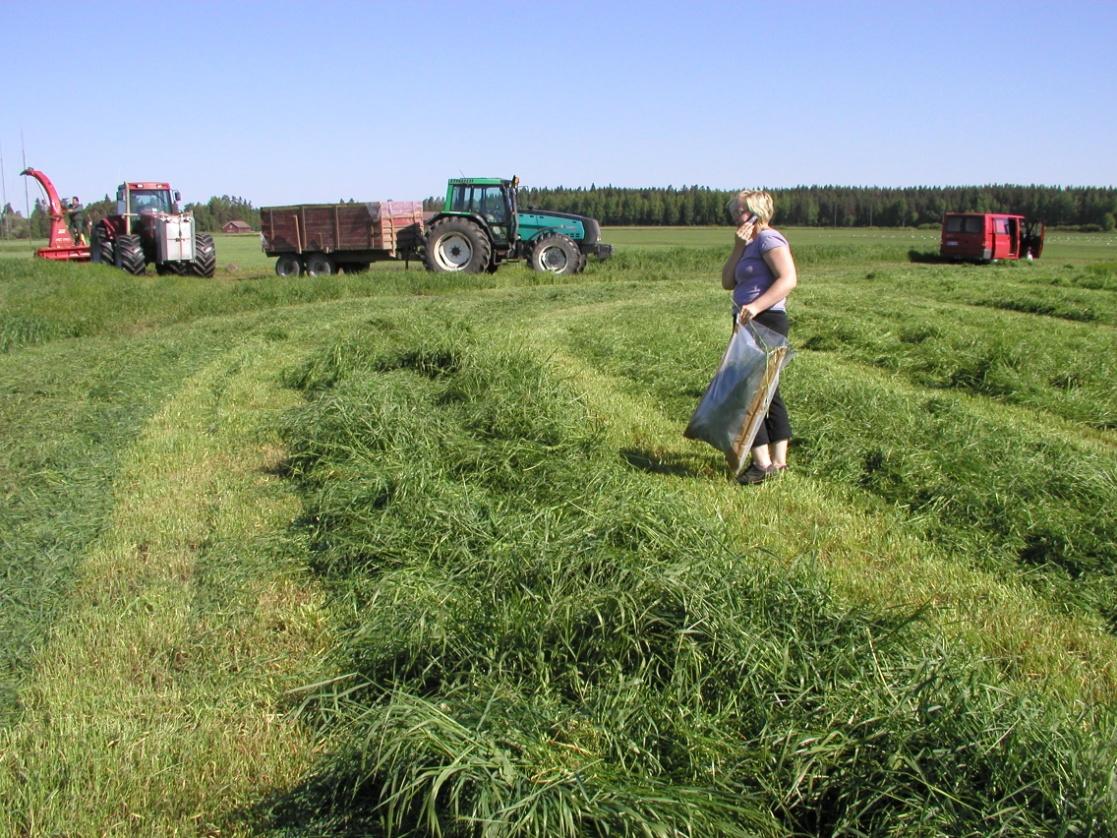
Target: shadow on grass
[
  {"x": 328, "y": 806},
  {"x": 675, "y": 465},
  {"x": 929, "y": 257}
]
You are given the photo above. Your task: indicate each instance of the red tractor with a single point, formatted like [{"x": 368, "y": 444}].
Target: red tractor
[{"x": 148, "y": 227}]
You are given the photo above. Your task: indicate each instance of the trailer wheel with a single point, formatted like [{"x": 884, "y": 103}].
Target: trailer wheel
[
  {"x": 457, "y": 245},
  {"x": 557, "y": 254},
  {"x": 357, "y": 268},
  {"x": 129, "y": 255},
  {"x": 100, "y": 246},
  {"x": 288, "y": 265},
  {"x": 205, "y": 256},
  {"x": 319, "y": 264}
]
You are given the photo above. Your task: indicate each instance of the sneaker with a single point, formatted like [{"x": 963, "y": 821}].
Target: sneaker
[{"x": 755, "y": 474}]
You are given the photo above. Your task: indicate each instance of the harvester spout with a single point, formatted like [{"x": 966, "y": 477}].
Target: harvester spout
[
  {"x": 48, "y": 187},
  {"x": 61, "y": 247}
]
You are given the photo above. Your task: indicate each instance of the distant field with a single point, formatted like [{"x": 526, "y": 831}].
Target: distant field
[
  {"x": 242, "y": 253},
  {"x": 407, "y": 553},
  {"x": 1086, "y": 247}
]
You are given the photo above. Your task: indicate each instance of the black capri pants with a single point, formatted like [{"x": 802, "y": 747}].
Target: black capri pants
[{"x": 776, "y": 426}]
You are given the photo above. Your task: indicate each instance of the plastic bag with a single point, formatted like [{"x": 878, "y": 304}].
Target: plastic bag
[{"x": 736, "y": 402}]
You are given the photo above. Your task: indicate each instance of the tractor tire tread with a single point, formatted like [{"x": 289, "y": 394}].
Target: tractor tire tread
[
  {"x": 205, "y": 256},
  {"x": 128, "y": 254}
]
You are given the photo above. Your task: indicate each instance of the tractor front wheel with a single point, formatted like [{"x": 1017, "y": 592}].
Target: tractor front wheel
[
  {"x": 457, "y": 245},
  {"x": 557, "y": 254},
  {"x": 205, "y": 256},
  {"x": 100, "y": 246},
  {"x": 128, "y": 254}
]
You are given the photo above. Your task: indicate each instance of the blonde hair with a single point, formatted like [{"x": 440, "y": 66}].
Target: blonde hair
[{"x": 756, "y": 201}]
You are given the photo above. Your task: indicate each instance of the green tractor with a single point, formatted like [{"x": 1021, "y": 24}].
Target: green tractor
[{"x": 481, "y": 226}]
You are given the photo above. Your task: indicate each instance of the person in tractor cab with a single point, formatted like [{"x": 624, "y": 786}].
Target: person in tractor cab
[{"x": 761, "y": 273}]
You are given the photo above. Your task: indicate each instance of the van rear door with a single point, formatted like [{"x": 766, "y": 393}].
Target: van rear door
[{"x": 963, "y": 236}]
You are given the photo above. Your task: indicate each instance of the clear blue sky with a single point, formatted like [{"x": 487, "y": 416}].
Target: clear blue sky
[{"x": 286, "y": 102}]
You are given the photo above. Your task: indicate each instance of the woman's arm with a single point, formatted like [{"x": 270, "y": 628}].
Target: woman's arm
[
  {"x": 729, "y": 269},
  {"x": 783, "y": 269},
  {"x": 740, "y": 242}
]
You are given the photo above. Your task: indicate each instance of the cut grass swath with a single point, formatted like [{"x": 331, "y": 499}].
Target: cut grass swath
[{"x": 545, "y": 642}]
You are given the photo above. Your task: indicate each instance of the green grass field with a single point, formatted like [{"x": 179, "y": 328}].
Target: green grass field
[{"x": 407, "y": 554}]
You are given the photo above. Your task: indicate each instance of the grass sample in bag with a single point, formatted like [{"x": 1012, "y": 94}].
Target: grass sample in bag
[{"x": 737, "y": 399}]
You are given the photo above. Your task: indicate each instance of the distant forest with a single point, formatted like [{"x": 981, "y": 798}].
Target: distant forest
[{"x": 1087, "y": 208}]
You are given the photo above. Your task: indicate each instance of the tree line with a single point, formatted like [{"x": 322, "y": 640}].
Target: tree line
[
  {"x": 210, "y": 216},
  {"x": 1087, "y": 208}
]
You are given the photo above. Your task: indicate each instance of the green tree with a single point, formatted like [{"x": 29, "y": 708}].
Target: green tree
[{"x": 39, "y": 221}]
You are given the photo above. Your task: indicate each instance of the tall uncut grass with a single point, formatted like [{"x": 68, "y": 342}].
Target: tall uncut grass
[{"x": 540, "y": 640}]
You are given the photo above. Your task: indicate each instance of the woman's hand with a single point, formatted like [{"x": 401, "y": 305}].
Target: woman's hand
[
  {"x": 745, "y": 231},
  {"x": 747, "y": 313}
]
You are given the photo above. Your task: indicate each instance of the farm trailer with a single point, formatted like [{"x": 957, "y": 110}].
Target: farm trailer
[
  {"x": 318, "y": 239},
  {"x": 990, "y": 236}
]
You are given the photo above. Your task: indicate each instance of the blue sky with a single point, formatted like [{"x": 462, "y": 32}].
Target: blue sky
[{"x": 287, "y": 102}]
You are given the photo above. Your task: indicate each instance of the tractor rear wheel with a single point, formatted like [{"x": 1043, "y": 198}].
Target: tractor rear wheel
[
  {"x": 129, "y": 254},
  {"x": 557, "y": 254},
  {"x": 457, "y": 245},
  {"x": 288, "y": 265},
  {"x": 319, "y": 264},
  {"x": 100, "y": 245},
  {"x": 205, "y": 256}
]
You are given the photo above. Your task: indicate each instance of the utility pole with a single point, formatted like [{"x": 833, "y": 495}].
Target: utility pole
[
  {"x": 26, "y": 194},
  {"x": 3, "y": 196}
]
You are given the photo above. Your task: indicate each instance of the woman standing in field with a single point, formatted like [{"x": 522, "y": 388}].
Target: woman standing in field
[{"x": 761, "y": 273}]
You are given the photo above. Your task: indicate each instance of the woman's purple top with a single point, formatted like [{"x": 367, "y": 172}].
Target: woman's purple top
[{"x": 753, "y": 276}]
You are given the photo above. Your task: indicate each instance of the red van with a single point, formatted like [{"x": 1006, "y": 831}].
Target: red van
[{"x": 988, "y": 236}]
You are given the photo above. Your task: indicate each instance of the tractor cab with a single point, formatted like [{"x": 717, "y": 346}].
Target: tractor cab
[
  {"x": 136, "y": 199},
  {"x": 490, "y": 200}
]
